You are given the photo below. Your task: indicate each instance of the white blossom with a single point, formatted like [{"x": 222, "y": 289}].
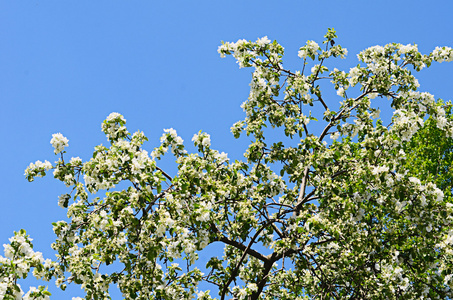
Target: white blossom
[{"x": 59, "y": 142}]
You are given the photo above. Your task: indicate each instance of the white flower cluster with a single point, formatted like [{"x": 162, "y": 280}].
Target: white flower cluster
[
  {"x": 239, "y": 51},
  {"x": 262, "y": 42},
  {"x": 298, "y": 86},
  {"x": 404, "y": 49},
  {"x": 19, "y": 259},
  {"x": 75, "y": 161},
  {"x": 170, "y": 139},
  {"x": 114, "y": 127},
  {"x": 63, "y": 200},
  {"x": 354, "y": 74},
  {"x": 379, "y": 170},
  {"x": 246, "y": 52},
  {"x": 406, "y": 123},
  {"x": 341, "y": 92},
  {"x": 59, "y": 142},
  {"x": 308, "y": 50},
  {"x": 16, "y": 292},
  {"x": 37, "y": 169},
  {"x": 336, "y": 51},
  {"x": 441, "y": 54},
  {"x": 202, "y": 139}
]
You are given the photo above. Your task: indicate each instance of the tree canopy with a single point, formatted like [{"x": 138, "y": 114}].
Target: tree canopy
[{"x": 344, "y": 207}]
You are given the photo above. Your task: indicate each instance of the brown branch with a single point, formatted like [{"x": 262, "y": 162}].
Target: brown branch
[
  {"x": 302, "y": 187},
  {"x": 266, "y": 216},
  {"x": 267, "y": 268},
  {"x": 165, "y": 174},
  {"x": 339, "y": 116},
  {"x": 238, "y": 245},
  {"x": 238, "y": 265},
  {"x": 322, "y": 102},
  {"x": 157, "y": 197}
]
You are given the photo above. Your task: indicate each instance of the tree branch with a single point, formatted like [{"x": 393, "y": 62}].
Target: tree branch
[
  {"x": 238, "y": 265},
  {"x": 302, "y": 187},
  {"x": 165, "y": 174},
  {"x": 267, "y": 268},
  {"x": 238, "y": 245}
]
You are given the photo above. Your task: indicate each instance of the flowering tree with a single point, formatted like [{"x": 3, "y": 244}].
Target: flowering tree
[{"x": 331, "y": 211}]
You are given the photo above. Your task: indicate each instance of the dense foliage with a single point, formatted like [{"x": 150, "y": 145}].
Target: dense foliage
[
  {"x": 430, "y": 154},
  {"x": 346, "y": 207}
]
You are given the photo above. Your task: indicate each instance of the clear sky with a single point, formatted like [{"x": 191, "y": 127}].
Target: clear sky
[{"x": 65, "y": 65}]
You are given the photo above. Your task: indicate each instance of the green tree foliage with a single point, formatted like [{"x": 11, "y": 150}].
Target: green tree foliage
[
  {"x": 430, "y": 154},
  {"x": 344, "y": 207}
]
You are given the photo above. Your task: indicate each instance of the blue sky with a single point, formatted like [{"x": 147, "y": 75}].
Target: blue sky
[{"x": 65, "y": 65}]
